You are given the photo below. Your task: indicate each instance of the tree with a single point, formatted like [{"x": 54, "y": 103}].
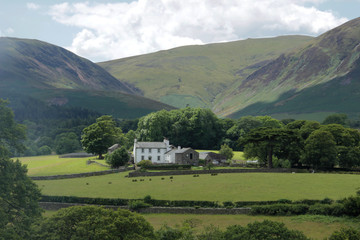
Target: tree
[
  {"x": 226, "y": 151},
  {"x": 18, "y": 200},
  {"x": 269, "y": 230},
  {"x": 269, "y": 122},
  {"x": 12, "y": 134},
  {"x": 336, "y": 118},
  {"x": 189, "y": 127},
  {"x": 66, "y": 143},
  {"x": 263, "y": 143},
  {"x": 320, "y": 149},
  {"x": 98, "y": 137},
  {"x": 96, "y": 223},
  {"x": 118, "y": 158}
]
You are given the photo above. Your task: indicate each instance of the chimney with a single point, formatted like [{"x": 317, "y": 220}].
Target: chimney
[{"x": 179, "y": 148}]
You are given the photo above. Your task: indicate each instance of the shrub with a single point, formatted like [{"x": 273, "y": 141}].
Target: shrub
[
  {"x": 44, "y": 150},
  {"x": 345, "y": 234},
  {"x": 144, "y": 163},
  {"x": 228, "y": 204},
  {"x": 352, "y": 206},
  {"x": 335, "y": 209},
  {"x": 280, "y": 209},
  {"x": 118, "y": 158},
  {"x": 138, "y": 204}
]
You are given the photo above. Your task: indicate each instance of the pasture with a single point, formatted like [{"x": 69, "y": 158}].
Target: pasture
[
  {"x": 223, "y": 187},
  {"x": 53, "y": 165}
]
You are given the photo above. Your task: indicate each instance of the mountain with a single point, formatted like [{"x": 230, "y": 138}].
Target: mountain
[
  {"x": 321, "y": 78},
  {"x": 198, "y": 75},
  {"x": 37, "y": 73},
  {"x": 285, "y": 77}
]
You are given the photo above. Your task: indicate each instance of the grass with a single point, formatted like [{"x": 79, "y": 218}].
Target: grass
[
  {"x": 229, "y": 187},
  {"x": 315, "y": 227},
  {"x": 53, "y": 165}
]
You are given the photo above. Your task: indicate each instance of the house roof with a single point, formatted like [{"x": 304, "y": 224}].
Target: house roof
[
  {"x": 212, "y": 156},
  {"x": 176, "y": 150},
  {"x": 113, "y": 147},
  {"x": 150, "y": 145}
]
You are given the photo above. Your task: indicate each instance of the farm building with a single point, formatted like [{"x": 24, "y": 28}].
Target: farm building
[
  {"x": 212, "y": 157},
  {"x": 164, "y": 153}
]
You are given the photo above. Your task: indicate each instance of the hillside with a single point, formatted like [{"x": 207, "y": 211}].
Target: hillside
[
  {"x": 198, "y": 75},
  {"x": 322, "y": 77},
  {"x": 35, "y": 75}
]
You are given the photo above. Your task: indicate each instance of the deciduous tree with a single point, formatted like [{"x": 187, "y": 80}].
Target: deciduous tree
[
  {"x": 98, "y": 137},
  {"x": 320, "y": 149},
  {"x": 96, "y": 223},
  {"x": 118, "y": 158},
  {"x": 18, "y": 200}
]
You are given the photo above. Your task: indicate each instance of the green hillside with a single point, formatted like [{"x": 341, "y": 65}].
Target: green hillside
[
  {"x": 323, "y": 77},
  {"x": 35, "y": 76},
  {"x": 198, "y": 75},
  {"x": 286, "y": 77}
]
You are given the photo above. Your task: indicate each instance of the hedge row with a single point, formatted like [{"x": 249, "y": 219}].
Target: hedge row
[
  {"x": 347, "y": 207},
  {"x": 167, "y": 167},
  {"x": 85, "y": 200},
  {"x": 175, "y": 203}
]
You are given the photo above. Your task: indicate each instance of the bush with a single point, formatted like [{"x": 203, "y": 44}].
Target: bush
[
  {"x": 118, "y": 158},
  {"x": 335, "y": 209},
  {"x": 44, "y": 150},
  {"x": 345, "y": 234},
  {"x": 144, "y": 163},
  {"x": 280, "y": 209},
  {"x": 138, "y": 204},
  {"x": 93, "y": 222},
  {"x": 352, "y": 206},
  {"x": 228, "y": 204}
]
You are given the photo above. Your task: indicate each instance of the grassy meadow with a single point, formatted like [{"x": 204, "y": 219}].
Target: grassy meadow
[
  {"x": 223, "y": 187},
  {"x": 53, "y": 165}
]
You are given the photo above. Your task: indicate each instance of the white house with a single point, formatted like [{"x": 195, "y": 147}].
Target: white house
[
  {"x": 164, "y": 153},
  {"x": 153, "y": 151}
]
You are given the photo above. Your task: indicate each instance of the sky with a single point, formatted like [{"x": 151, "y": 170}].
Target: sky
[{"x": 103, "y": 30}]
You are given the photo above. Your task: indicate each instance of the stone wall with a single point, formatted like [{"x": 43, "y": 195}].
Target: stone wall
[
  {"x": 78, "y": 175},
  {"x": 217, "y": 171},
  {"x": 173, "y": 210}
]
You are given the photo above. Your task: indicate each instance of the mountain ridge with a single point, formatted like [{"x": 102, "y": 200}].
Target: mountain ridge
[{"x": 35, "y": 72}]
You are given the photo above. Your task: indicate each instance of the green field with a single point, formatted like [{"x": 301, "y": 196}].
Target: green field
[
  {"x": 53, "y": 165},
  {"x": 223, "y": 187}
]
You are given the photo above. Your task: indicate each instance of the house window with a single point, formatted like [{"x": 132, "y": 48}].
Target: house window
[
  {"x": 142, "y": 158},
  {"x": 191, "y": 156},
  {"x": 149, "y": 150},
  {"x": 142, "y": 150},
  {"x": 158, "y": 158},
  {"x": 150, "y": 158},
  {"x": 158, "y": 150}
]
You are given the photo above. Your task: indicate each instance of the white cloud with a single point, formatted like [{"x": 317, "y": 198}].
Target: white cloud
[
  {"x": 32, "y": 6},
  {"x": 116, "y": 30},
  {"x": 9, "y": 31}
]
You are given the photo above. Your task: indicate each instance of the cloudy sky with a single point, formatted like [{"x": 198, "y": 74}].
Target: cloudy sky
[{"x": 110, "y": 29}]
